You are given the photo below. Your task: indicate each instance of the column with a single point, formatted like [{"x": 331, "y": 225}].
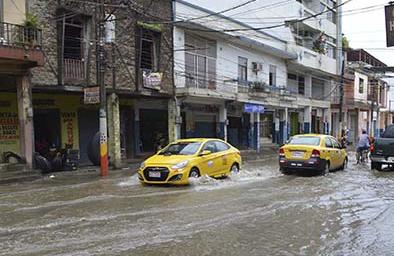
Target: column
[
  {"x": 25, "y": 116},
  {"x": 114, "y": 130},
  {"x": 257, "y": 131},
  {"x": 308, "y": 86},
  {"x": 223, "y": 122},
  {"x": 137, "y": 141},
  {"x": 285, "y": 125},
  {"x": 327, "y": 121},
  {"x": 251, "y": 132},
  {"x": 307, "y": 119},
  {"x": 174, "y": 120}
]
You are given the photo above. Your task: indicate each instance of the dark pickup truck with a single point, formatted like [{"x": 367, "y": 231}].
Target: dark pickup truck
[{"x": 383, "y": 150}]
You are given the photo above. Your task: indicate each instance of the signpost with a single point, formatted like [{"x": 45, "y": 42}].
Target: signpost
[
  {"x": 253, "y": 108},
  {"x": 389, "y": 9}
]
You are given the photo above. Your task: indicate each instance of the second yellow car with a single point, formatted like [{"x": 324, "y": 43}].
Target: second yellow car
[
  {"x": 190, "y": 158},
  {"x": 314, "y": 152}
]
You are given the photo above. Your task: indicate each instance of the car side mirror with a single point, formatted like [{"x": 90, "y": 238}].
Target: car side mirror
[{"x": 205, "y": 152}]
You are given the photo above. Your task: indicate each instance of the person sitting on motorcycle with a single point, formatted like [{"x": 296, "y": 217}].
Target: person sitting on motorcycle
[{"x": 363, "y": 142}]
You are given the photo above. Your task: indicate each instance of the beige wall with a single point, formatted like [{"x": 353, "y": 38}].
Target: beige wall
[{"x": 14, "y": 11}]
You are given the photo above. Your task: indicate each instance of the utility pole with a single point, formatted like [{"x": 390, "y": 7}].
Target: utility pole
[
  {"x": 103, "y": 94},
  {"x": 341, "y": 92}
]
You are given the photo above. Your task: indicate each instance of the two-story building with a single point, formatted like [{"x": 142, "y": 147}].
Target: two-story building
[
  {"x": 365, "y": 95},
  {"x": 20, "y": 52},
  {"x": 238, "y": 80},
  {"x": 138, "y": 75}
]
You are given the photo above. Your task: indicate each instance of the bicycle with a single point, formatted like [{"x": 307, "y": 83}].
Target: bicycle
[{"x": 362, "y": 156}]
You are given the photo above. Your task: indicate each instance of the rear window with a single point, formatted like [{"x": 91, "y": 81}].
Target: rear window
[
  {"x": 304, "y": 140},
  {"x": 389, "y": 133}
]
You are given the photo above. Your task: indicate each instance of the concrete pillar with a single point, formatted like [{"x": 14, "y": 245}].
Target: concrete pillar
[
  {"x": 308, "y": 86},
  {"x": 174, "y": 120},
  {"x": 257, "y": 131},
  {"x": 137, "y": 141},
  {"x": 25, "y": 116},
  {"x": 113, "y": 115},
  {"x": 223, "y": 122},
  {"x": 251, "y": 132},
  {"x": 307, "y": 119},
  {"x": 285, "y": 125},
  {"x": 327, "y": 121}
]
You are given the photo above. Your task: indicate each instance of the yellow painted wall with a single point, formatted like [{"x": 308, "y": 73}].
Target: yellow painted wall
[
  {"x": 9, "y": 124},
  {"x": 14, "y": 11}
]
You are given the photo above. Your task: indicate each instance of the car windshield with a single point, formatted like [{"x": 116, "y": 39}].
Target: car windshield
[
  {"x": 181, "y": 148},
  {"x": 313, "y": 141}
]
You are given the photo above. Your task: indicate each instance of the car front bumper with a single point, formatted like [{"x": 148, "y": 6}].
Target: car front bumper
[
  {"x": 312, "y": 164},
  {"x": 168, "y": 176}
]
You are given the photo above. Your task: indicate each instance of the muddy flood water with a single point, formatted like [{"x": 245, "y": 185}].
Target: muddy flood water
[{"x": 257, "y": 212}]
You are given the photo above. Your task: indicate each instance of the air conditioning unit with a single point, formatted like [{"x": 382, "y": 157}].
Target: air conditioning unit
[{"x": 256, "y": 67}]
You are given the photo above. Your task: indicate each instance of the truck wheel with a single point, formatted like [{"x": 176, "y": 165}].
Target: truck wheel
[{"x": 376, "y": 166}]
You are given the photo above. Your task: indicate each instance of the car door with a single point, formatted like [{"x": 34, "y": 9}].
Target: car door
[
  {"x": 224, "y": 157},
  {"x": 339, "y": 153},
  {"x": 210, "y": 163},
  {"x": 329, "y": 148}
]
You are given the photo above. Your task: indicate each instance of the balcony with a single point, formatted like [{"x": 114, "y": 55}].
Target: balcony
[
  {"x": 317, "y": 61},
  {"x": 262, "y": 90},
  {"x": 74, "y": 69},
  {"x": 20, "y": 46},
  {"x": 202, "y": 86}
]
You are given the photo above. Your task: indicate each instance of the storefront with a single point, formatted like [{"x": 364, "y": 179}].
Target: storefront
[
  {"x": 238, "y": 126},
  {"x": 201, "y": 121},
  {"x": 9, "y": 124}
]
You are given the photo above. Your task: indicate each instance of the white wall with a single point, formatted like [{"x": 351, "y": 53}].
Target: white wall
[
  {"x": 227, "y": 61},
  {"x": 357, "y": 95}
]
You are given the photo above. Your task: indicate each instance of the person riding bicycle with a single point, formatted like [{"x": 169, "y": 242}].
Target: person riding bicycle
[{"x": 363, "y": 142}]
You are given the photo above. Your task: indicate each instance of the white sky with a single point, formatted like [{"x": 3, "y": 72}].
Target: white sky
[{"x": 367, "y": 28}]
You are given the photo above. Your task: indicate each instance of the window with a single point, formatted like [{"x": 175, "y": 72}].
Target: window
[
  {"x": 149, "y": 50},
  {"x": 210, "y": 145},
  {"x": 301, "y": 85},
  {"x": 335, "y": 143},
  {"x": 305, "y": 140},
  {"x": 328, "y": 143},
  {"x": 361, "y": 85},
  {"x": 200, "y": 62},
  {"x": 272, "y": 75},
  {"x": 73, "y": 38},
  {"x": 242, "y": 70},
  {"x": 221, "y": 146},
  {"x": 181, "y": 148},
  {"x": 389, "y": 133}
]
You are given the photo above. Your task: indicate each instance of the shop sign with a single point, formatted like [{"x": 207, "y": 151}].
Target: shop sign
[
  {"x": 91, "y": 95},
  {"x": 9, "y": 126},
  {"x": 389, "y": 9},
  {"x": 152, "y": 80},
  {"x": 201, "y": 108},
  {"x": 253, "y": 108}
]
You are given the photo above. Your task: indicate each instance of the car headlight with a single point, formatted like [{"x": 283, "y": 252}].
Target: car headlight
[
  {"x": 180, "y": 165},
  {"x": 142, "y": 165}
]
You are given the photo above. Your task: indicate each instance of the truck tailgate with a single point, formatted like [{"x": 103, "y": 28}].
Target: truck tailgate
[{"x": 384, "y": 147}]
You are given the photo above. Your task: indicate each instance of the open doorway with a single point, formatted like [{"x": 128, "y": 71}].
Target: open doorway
[{"x": 47, "y": 131}]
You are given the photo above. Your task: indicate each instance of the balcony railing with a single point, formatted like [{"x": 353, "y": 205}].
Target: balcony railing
[
  {"x": 19, "y": 36},
  {"x": 74, "y": 69}
]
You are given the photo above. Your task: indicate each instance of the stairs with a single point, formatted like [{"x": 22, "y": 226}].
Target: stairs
[{"x": 11, "y": 173}]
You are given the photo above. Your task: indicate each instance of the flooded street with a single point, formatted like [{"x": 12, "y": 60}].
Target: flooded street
[{"x": 257, "y": 212}]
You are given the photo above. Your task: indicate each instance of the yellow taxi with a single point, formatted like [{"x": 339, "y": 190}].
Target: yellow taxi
[
  {"x": 190, "y": 158},
  {"x": 315, "y": 152}
]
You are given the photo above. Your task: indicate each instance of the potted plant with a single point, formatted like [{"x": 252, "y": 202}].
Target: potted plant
[{"x": 31, "y": 25}]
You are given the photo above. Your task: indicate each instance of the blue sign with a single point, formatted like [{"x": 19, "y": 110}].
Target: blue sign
[{"x": 253, "y": 108}]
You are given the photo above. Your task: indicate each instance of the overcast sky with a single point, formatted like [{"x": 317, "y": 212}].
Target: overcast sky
[{"x": 366, "y": 29}]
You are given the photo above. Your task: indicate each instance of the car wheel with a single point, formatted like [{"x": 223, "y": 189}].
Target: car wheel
[
  {"x": 326, "y": 169},
  {"x": 234, "y": 169},
  {"x": 344, "y": 165},
  {"x": 376, "y": 166},
  {"x": 194, "y": 173}
]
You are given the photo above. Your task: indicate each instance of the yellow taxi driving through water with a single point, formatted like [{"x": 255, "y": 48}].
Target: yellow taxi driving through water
[
  {"x": 190, "y": 158},
  {"x": 314, "y": 152}
]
